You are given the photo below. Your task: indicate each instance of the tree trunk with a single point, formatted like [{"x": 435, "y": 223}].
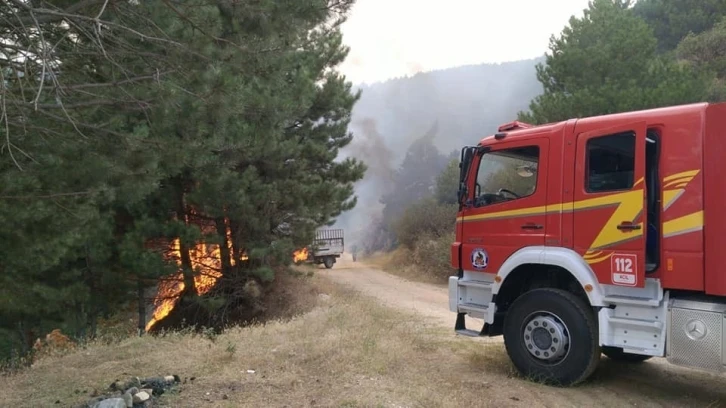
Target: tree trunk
[
  {"x": 234, "y": 235},
  {"x": 224, "y": 250},
  {"x": 92, "y": 315},
  {"x": 142, "y": 307},
  {"x": 27, "y": 337},
  {"x": 190, "y": 289},
  {"x": 93, "y": 322}
]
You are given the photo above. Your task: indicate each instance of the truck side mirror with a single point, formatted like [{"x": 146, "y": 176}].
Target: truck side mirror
[
  {"x": 467, "y": 154},
  {"x": 461, "y": 194}
]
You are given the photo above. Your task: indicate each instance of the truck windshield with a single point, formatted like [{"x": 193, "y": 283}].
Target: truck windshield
[{"x": 505, "y": 175}]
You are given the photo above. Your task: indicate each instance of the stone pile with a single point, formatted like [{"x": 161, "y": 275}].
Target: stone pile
[{"x": 134, "y": 393}]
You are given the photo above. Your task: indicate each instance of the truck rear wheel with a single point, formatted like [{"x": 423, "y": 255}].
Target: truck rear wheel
[
  {"x": 617, "y": 354},
  {"x": 551, "y": 336},
  {"x": 328, "y": 262}
]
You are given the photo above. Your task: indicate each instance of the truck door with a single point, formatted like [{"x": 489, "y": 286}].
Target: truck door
[
  {"x": 609, "y": 200},
  {"x": 507, "y": 210}
]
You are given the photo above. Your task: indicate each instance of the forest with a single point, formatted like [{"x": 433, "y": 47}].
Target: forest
[
  {"x": 187, "y": 149},
  {"x": 194, "y": 142}
]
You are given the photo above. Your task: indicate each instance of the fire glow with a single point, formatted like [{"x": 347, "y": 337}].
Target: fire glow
[
  {"x": 300, "y": 255},
  {"x": 207, "y": 264},
  {"x": 206, "y": 259}
]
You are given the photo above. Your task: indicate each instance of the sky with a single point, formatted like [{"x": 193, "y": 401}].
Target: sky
[{"x": 395, "y": 38}]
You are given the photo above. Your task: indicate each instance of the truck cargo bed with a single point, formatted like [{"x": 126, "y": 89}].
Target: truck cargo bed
[{"x": 328, "y": 243}]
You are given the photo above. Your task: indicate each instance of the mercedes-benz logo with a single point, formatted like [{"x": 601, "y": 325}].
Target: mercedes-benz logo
[{"x": 696, "y": 329}]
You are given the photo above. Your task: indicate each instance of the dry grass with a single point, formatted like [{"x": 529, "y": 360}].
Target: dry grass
[
  {"x": 347, "y": 351},
  {"x": 399, "y": 262}
]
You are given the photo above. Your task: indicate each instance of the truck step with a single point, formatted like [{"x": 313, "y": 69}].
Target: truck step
[
  {"x": 475, "y": 284},
  {"x": 636, "y": 322},
  {"x": 631, "y": 300},
  {"x": 468, "y": 333},
  {"x": 477, "y": 311}
]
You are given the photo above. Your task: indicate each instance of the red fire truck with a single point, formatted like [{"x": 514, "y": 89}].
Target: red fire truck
[{"x": 596, "y": 235}]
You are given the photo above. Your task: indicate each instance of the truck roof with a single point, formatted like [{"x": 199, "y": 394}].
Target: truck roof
[{"x": 520, "y": 130}]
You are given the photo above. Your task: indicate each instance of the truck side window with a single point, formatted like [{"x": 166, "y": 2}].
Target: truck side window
[
  {"x": 506, "y": 175},
  {"x": 610, "y": 162}
]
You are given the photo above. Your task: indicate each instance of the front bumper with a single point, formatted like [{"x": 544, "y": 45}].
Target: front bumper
[{"x": 472, "y": 297}]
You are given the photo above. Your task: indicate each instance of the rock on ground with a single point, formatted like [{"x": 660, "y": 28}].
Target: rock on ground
[{"x": 111, "y": 403}]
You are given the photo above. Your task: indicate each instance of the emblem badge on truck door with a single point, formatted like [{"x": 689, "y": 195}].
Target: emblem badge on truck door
[{"x": 479, "y": 258}]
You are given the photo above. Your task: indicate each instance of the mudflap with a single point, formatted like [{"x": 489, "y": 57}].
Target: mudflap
[
  {"x": 460, "y": 327},
  {"x": 460, "y": 322}
]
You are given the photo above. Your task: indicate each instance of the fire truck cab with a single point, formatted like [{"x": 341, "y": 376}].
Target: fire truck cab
[{"x": 596, "y": 235}]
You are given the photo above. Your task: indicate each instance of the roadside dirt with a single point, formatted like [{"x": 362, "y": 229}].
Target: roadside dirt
[{"x": 654, "y": 383}]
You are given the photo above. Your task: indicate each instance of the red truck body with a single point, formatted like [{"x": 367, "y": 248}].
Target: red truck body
[{"x": 626, "y": 206}]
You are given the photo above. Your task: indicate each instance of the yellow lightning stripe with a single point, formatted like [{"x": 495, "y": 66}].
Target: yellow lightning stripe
[
  {"x": 505, "y": 214},
  {"x": 604, "y": 201},
  {"x": 629, "y": 206},
  {"x": 591, "y": 254},
  {"x": 679, "y": 182},
  {"x": 593, "y": 260},
  {"x": 683, "y": 225},
  {"x": 669, "y": 197},
  {"x": 679, "y": 177}
]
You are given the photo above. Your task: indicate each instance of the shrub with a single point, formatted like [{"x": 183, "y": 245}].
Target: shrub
[
  {"x": 431, "y": 256},
  {"x": 427, "y": 219}
]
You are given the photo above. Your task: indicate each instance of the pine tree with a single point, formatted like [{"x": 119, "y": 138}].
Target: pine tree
[
  {"x": 415, "y": 180},
  {"x": 706, "y": 52},
  {"x": 607, "y": 62},
  {"x": 257, "y": 170},
  {"x": 76, "y": 151},
  {"x": 447, "y": 183},
  {"x": 673, "y": 20}
]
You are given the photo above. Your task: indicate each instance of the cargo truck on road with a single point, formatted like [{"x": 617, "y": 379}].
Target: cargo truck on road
[{"x": 326, "y": 248}]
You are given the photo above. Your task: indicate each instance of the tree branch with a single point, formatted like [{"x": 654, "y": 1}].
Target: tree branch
[
  {"x": 154, "y": 77},
  {"x": 87, "y": 104},
  {"x": 51, "y": 195},
  {"x": 56, "y": 16}
]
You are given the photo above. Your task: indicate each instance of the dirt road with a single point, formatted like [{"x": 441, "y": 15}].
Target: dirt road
[
  {"x": 651, "y": 384},
  {"x": 424, "y": 299}
]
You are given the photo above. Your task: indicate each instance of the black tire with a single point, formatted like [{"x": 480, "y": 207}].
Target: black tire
[
  {"x": 578, "y": 325},
  {"x": 617, "y": 354},
  {"x": 328, "y": 262}
]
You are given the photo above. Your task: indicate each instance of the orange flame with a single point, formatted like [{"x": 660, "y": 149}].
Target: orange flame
[
  {"x": 206, "y": 259},
  {"x": 300, "y": 255}
]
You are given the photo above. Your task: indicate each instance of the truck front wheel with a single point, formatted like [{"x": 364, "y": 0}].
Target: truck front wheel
[
  {"x": 551, "y": 336},
  {"x": 328, "y": 262}
]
